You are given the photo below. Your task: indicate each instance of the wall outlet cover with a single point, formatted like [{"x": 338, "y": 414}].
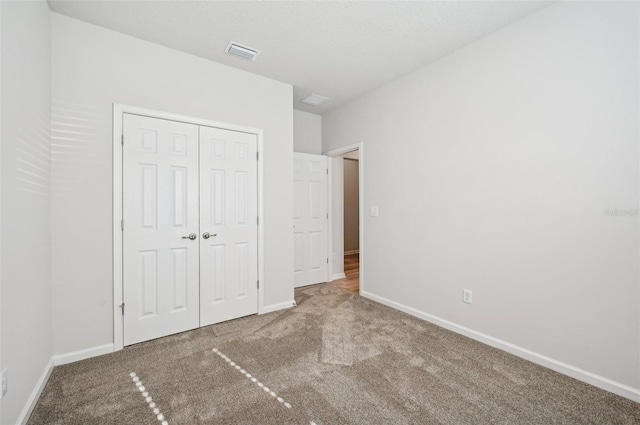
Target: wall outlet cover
[
  {"x": 467, "y": 296},
  {"x": 5, "y": 383}
]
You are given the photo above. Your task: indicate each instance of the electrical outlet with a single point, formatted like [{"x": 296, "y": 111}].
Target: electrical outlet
[
  {"x": 467, "y": 296},
  {"x": 5, "y": 383}
]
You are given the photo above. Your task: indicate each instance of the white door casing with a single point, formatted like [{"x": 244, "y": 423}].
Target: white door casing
[
  {"x": 160, "y": 209},
  {"x": 229, "y": 213},
  {"x": 337, "y": 198},
  {"x": 310, "y": 219}
]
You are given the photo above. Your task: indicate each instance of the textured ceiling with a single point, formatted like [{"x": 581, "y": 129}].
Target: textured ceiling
[{"x": 337, "y": 49}]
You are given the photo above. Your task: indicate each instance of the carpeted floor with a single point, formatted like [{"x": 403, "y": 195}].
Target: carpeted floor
[{"x": 335, "y": 359}]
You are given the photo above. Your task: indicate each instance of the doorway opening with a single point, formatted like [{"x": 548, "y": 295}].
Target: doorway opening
[{"x": 347, "y": 226}]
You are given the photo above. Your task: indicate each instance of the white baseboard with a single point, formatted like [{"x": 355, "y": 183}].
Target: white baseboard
[
  {"x": 558, "y": 366},
  {"x": 280, "y": 306},
  {"x": 35, "y": 394},
  {"x": 338, "y": 276},
  {"x": 76, "y": 356},
  {"x": 57, "y": 360}
]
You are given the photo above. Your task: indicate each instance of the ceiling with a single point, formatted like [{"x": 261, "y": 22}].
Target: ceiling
[{"x": 337, "y": 49}]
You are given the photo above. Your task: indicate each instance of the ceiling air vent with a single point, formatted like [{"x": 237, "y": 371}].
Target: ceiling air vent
[
  {"x": 244, "y": 52},
  {"x": 314, "y": 99}
]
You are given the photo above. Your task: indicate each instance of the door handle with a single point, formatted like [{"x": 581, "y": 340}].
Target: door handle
[
  {"x": 191, "y": 236},
  {"x": 206, "y": 235}
]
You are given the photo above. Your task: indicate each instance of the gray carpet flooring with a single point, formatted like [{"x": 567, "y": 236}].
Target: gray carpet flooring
[{"x": 335, "y": 359}]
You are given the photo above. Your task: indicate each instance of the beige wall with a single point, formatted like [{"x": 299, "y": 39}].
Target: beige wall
[
  {"x": 518, "y": 144},
  {"x": 351, "y": 205},
  {"x": 26, "y": 195},
  {"x": 93, "y": 68}
]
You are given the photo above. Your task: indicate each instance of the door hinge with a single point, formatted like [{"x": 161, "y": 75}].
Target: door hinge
[
  {"x": 122, "y": 224},
  {"x": 327, "y": 260},
  {"x": 258, "y": 220},
  {"x": 327, "y": 216},
  {"x": 327, "y": 171},
  {"x": 122, "y": 140},
  {"x": 258, "y": 284},
  {"x": 257, "y": 156},
  {"x": 122, "y": 307}
]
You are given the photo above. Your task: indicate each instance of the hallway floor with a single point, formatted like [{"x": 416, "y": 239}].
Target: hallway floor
[{"x": 352, "y": 272}]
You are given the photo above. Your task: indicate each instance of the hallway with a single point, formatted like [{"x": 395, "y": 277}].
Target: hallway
[{"x": 352, "y": 272}]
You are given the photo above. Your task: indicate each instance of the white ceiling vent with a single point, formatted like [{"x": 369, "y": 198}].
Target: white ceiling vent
[
  {"x": 314, "y": 99},
  {"x": 244, "y": 52}
]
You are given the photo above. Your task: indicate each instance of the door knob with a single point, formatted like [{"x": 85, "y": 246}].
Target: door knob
[
  {"x": 206, "y": 235},
  {"x": 191, "y": 236}
]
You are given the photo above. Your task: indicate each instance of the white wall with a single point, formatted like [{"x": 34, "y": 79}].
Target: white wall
[
  {"x": 25, "y": 208},
  {"x": 94, "y": 67},
  {"x": 509, "y": 151},
  {"x": 337, "y": 218},
  {"x": 307, "y": 132},
  {"x": 1, "y": 198}
]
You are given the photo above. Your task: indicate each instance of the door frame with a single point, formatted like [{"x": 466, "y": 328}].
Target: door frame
[
  {"x": 118, "y": 281},
  {"x": 331, "y": 154}
]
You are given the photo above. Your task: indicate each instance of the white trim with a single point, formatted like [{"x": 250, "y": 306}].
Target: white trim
[
  {"x": 329, "y": 218},
  {"x": 361, "y": 279},
  {"x": 339, "y": 151},
  {"x": 338, "y": 276},
  {"x": 279, "y": 306},
  {"x": 2, "y": 364},
  {"x": 118, "y": 298},
  {"x": 57, "y": 360},
  {"x": 35, "y": 394},
  {"x": 76, "y": 356},
  {"x": 540, "y": 359},
  {"x": 260, "y": 223},
  {"x": 118, "y": 111},
  {"x": 353, "y": 252}
]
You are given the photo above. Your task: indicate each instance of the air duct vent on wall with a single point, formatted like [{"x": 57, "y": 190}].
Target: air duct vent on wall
[{"x": 244, "y": 52}]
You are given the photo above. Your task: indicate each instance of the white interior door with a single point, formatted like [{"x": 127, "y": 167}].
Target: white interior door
[
  {"x": 310, "y": 219},
  {"x": 228, "y": 225},
  {"x": 160, "y": 210}
]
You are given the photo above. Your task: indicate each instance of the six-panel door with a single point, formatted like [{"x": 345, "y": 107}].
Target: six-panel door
[
  {"x": 229, "y": 213},
  {"x": 160, "y": 209},
  {"x": 190, "y": 237},
  {"x": 310, "y": 221}
]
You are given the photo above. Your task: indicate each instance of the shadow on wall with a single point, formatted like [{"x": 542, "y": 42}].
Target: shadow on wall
[
  {"x": 33, "y": 153},
  {"x": 75, "y": 135}
]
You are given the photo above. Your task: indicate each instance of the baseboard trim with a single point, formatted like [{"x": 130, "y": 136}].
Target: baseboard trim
[
  {"x": 76, "y": 356},
  {"x": 280, "y": 306},
  {"x": 542, "y": 360},
  {"x": 35, "y": 394},
  {"x": 57, "y": 360},
  {"x": 338, "y": 276}
]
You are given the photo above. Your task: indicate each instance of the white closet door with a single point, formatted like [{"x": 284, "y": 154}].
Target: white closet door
[
  {"x": 310, "y": 228},
  {"x": 160, "y": 210},
  {"x": 228, "y": 213}
]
